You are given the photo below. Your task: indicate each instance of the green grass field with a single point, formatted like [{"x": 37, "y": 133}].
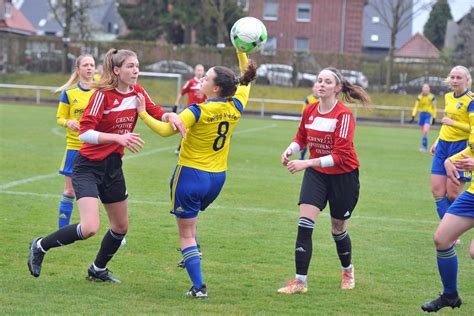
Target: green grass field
[{"x": 247, "y": 235}]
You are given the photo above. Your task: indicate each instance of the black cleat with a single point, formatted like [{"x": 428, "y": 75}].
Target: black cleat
[
  {"x": 101, "y": 276},
  {"x": 197, "y": 293},
  {"x": 36, "y": 258},
  {"x": 441, "y": 302}
]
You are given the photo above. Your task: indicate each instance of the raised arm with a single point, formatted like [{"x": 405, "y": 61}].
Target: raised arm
[{"x": 242, "y": 93}]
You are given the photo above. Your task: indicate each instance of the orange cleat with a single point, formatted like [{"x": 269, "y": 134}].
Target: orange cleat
[{"x": 293, "y": 287}]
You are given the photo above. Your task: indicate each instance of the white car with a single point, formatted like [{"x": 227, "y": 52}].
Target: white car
[
  {"x": 355, "y": 77},
  {"x": 282, "y": 75}
]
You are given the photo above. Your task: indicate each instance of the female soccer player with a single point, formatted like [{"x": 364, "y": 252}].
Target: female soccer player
[
  {"x": 458, "y": 219},
  {"x": 201, "y": 170},
  {"x": 331, "y": 173},
  {"x": 310, "y": 99},
  {"x": 427, "y": 104},
  {"x": 105, "y": 128},
  {"x": 192, "y": 89},
  {"x": 75, "y": 96},
  {"x": 452, "y": 139}
]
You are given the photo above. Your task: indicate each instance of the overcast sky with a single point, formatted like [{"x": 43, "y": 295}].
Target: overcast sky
[{"x": 458, "y": 9}]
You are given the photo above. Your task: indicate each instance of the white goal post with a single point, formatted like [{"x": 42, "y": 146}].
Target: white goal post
[{"x": 178, "y": 77}]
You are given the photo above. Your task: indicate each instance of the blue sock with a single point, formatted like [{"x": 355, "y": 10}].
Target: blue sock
[
  {"x": 442, "y": 206},
  {"x": 192, "y": 260},
  {"x": 448, "y": 270},
  {"x": 65, "y": 210},
  {"x": 424, "y": 141}
]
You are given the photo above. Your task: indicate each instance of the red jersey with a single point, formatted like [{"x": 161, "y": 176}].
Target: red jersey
[
  {"x": 194, "y": 94},
  {"x": 113, "y": 112},
  {"x": 329, "y": 133}
]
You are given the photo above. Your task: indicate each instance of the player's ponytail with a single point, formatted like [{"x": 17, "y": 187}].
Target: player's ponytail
[
  {"x": 113, "y": 58},
  {"x": 226, "y": 79},
  {"x": 74, "y": 78},
  {"x": 350, "y": 92}
]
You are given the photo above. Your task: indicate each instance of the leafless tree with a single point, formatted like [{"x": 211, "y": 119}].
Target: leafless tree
[
  {"x": 396, "y": 15},
  {"x": 68, "y": 13}
]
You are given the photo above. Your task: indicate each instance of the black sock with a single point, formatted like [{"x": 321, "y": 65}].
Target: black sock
[
  {"x": 304, "y": 245},
  {"x": 108, "y": 248},
  {"x": 64, "y": 236},
  {"x": 344, "y": 248}
]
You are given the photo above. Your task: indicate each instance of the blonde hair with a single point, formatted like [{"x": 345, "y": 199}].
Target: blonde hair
[
  {"x": 113, "y": 58},
  {"x": 466, "y": 73},
  {"x": 74, "y": 78},
  {"x": 350, "y": 92}
]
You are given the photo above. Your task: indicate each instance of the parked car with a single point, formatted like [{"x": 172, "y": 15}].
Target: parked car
[
  {"x": 47, "y": 61},
  {"x": 437, "y": 85},
  {"x": 172, "y": 66},
  {"x": 355, "y": 77},
  {"x": 282, "y": 75}
]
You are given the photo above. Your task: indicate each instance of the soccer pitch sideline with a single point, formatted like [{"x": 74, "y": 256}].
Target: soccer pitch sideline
[{"x": 247, "y": 235}]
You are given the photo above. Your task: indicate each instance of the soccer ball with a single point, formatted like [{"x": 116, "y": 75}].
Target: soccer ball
[{"x": 248, "y": 35}]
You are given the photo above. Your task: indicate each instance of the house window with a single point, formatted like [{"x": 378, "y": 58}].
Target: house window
[
  {"x": 270, "y": 10},
  {"x": 375, "y": 19},
  {"x": 301, "y": 44},
  {"x": 270, "y": 46},
  {"x": 303, "y": 12},
  {"x": 374, "y": 38}
]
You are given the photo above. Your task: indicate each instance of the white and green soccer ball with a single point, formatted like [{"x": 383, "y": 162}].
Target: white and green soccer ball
[{"x": 248, "y": 35}]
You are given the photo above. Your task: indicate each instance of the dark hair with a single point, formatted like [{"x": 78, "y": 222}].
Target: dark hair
[
  {"x": 350, "y": 92},
  {"x": 226, "y": 79}
]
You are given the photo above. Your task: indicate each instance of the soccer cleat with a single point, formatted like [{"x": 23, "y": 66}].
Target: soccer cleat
[
  {"x": 348, "y": 279},
  {"x": 176, "y": 152},
  {"x": 197, "y": 293},
  {"x": 423, "y": 149},
  {"x": 441, "y": 302},
  {"x": 293, "y": 287},
  {"x": 101, "y": 276},
  {"x": 36, "y": 258}
]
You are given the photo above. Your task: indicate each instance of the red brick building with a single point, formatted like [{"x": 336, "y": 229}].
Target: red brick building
[{"x": 311, "y": 25}]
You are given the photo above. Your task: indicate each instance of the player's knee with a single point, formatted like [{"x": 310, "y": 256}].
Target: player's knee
[
  {"x": 441, "y": 242},
  {"x": 121, "y": 228},
  {"x": 89, "y": 230},
  {"x": 69, "y": 192},
  {"x": 452, "y": 196}
]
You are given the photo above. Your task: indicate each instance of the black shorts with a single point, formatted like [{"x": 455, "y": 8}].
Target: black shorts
[
  {"x": 341, "y": 190},
  {"x": 102, "y": 179}
]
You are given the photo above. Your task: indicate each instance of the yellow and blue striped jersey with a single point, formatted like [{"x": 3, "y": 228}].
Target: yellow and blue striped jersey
[
  {"x": 210, "y": 125},
  {"x": 426, "y": 103},
  {"x": 456, "y": 108},
  {"x": 310, "y": 99},
  {"x": 72, "y": 104}
]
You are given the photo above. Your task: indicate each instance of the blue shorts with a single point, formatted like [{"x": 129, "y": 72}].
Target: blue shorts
[
  {"x": 444, "y": 150},
  {"x": 68, "y": 162},
  {"x": 425, "y": 118},
  {"x": 193, "y": 190},
  {"x": 463, "y": 205}
]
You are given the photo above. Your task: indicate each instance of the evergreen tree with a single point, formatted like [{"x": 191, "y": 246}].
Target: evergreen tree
[{"x": 435, "y": 27}]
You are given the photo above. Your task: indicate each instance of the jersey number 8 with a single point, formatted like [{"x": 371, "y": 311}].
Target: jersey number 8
[{"x": 222, "y": 130}]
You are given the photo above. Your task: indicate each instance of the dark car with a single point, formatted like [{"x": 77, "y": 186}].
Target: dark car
[
  {"x": 172, "y": 66},
  {"x": 437, "y": 84}
]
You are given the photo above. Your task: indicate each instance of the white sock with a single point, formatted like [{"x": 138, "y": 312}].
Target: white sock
[
  {"x": 38, "y": 244},
  {"x": 98, "y": 269},
  {"x": 302, "y": 278},
  {"x": 348, "y": 269}
]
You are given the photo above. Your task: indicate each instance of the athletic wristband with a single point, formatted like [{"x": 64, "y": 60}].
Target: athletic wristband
[
  {"x": 327, "y": 161},
  {"x": 91, "y": 136},
  {"x": 295, "y": 147}
]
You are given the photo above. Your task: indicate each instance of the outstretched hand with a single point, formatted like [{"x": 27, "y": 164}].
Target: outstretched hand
[
  {"x": 465, "y": 164},
  {"x": 141, "y": 105},
  {"x": 176, "y": 123},
  {"x": 131, "y": 141},
  {"x": 451, "y": 171}
]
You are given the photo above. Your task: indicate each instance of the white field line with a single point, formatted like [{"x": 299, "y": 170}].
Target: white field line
[
  {"x": 130, "y": 156},
  {"x": 238, "y": 208}
]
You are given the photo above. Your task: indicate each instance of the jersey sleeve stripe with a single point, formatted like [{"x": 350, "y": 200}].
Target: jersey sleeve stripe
[
  {"x": 238, "y": 105},
  {"x": 470, "y": 107},
  {"x": 196, "y": 111},
  {"x": 64, "y": 99},
  {"x": 97, "y": 102},
  {"x": 344, "y": 126}
]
